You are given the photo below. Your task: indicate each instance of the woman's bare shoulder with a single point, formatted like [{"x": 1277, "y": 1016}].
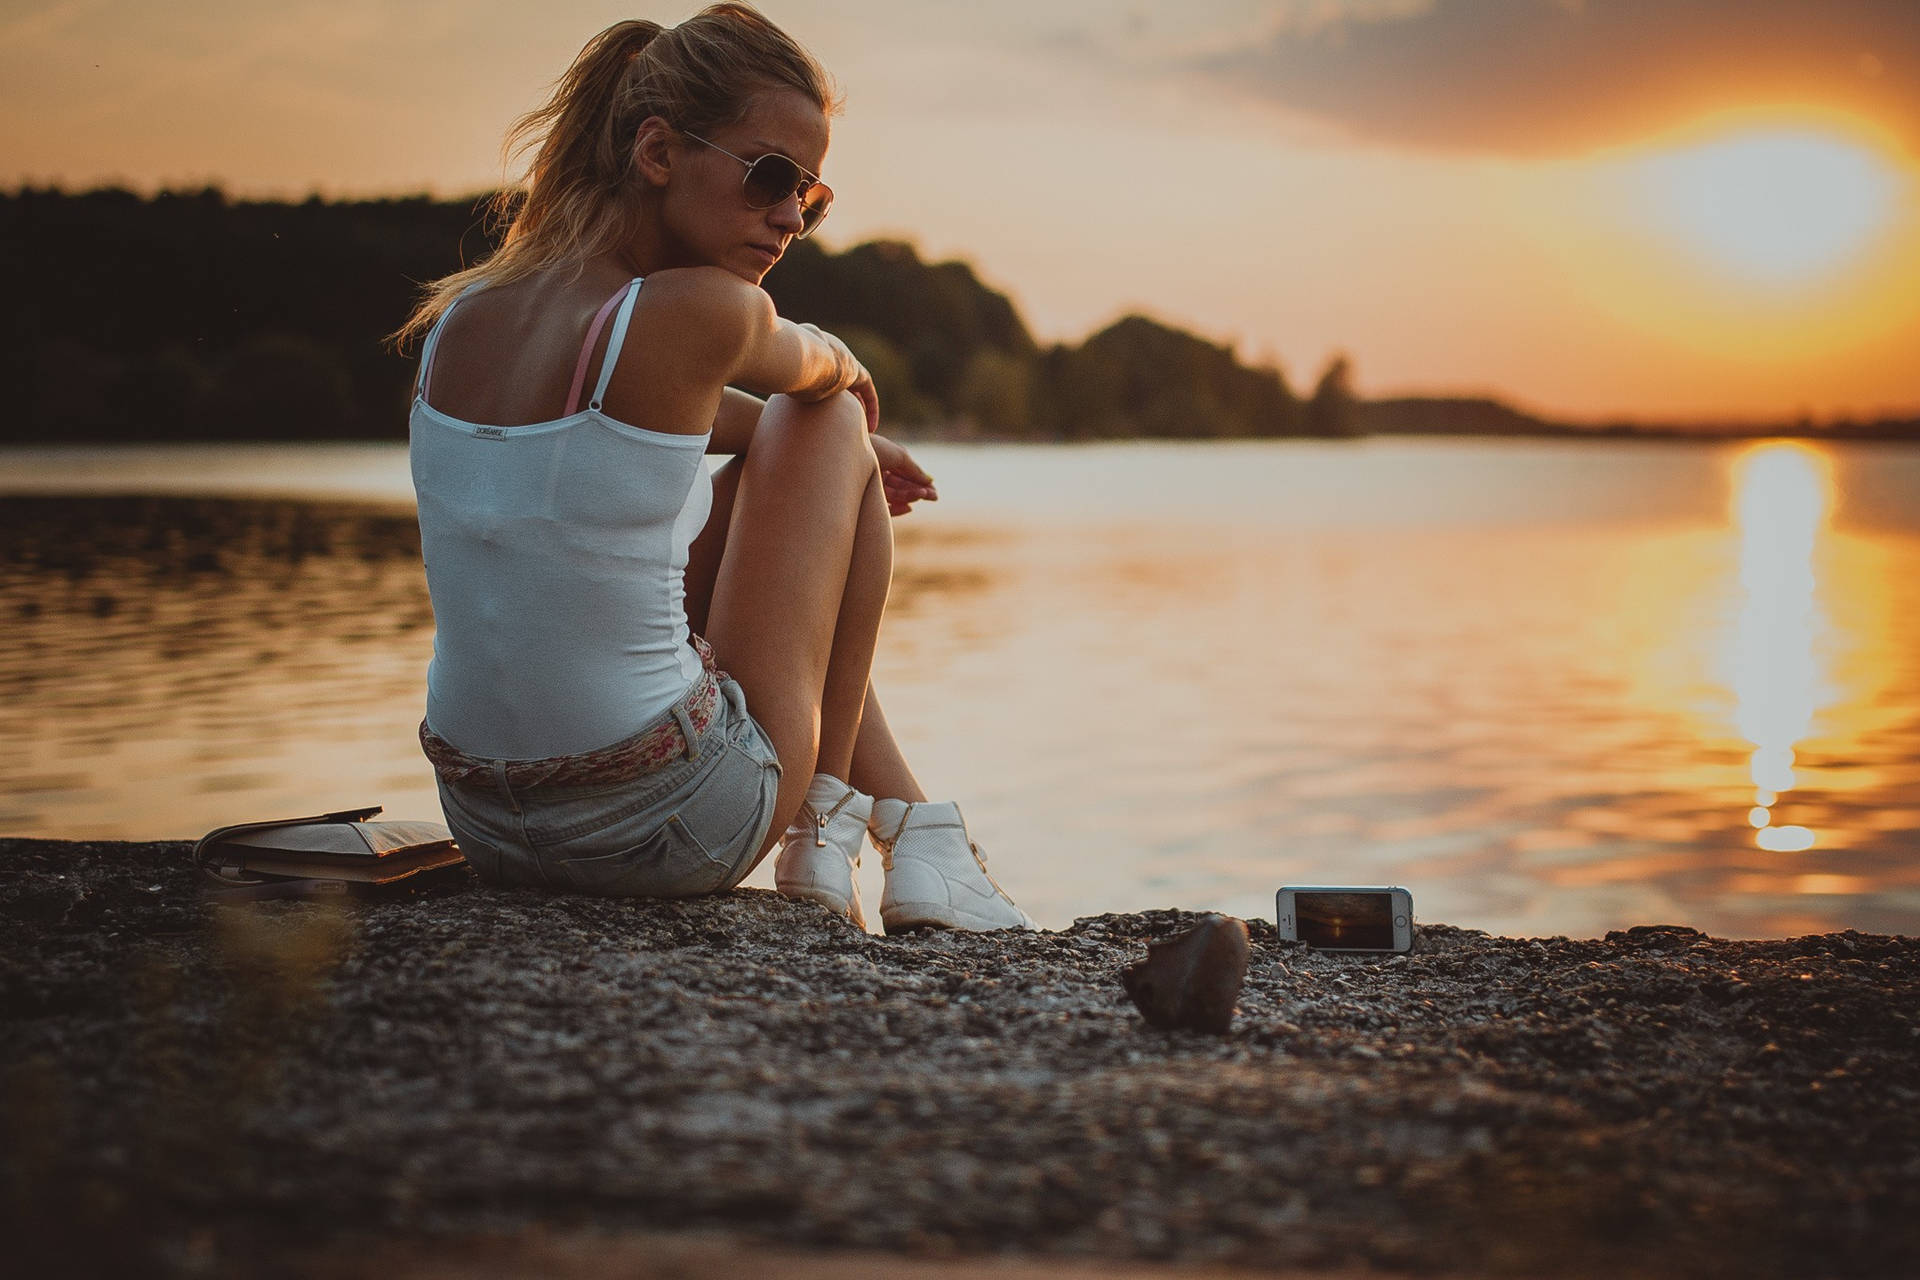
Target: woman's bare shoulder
[
  {"x": 705, "y": 315},
  {"x": 704, "y": 293}
]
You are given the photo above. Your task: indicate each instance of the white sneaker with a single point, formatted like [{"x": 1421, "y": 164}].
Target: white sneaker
[
  {"x": 820, "y": 850},
  {"x": 935, "y": 874}
]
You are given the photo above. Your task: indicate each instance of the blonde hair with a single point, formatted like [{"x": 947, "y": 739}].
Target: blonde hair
[{"x": 578, "y": 195}]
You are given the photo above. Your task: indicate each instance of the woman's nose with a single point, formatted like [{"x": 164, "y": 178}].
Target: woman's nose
[{"x": 786, "y": 214}]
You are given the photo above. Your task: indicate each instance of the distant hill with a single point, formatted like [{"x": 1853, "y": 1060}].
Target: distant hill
[
  {"x": 195, "y": 317},
  {"x": 190, "y": 316},
  {"x": 1473, "y": 416},
  {"x": 1484, "y": 416}
]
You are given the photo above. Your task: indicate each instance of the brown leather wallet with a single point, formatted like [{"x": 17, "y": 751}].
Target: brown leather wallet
[{"x": 342, "y": 851}]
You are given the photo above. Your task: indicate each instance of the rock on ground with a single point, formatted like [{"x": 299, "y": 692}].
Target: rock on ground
[{"x": 196, "y": 1089}]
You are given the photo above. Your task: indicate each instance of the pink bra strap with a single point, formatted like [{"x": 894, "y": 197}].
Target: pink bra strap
[{"x": 586, "y": 352}]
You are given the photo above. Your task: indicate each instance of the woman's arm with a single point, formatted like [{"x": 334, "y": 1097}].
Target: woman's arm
[
  {"x": 728, "y": 328},
  {"x": 801, "y": 360},
  {"x": 703, "y": 329}
]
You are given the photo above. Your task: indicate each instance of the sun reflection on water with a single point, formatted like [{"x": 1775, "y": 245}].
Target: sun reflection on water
[
  {"x": 1522, "y": 703},
  {"x": 1782, "y": 496}
]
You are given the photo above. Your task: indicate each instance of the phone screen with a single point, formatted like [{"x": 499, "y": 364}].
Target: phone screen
[{"x": 1362, "y": 921}]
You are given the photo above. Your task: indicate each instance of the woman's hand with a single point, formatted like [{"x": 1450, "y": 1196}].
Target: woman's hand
[
  {"x": 904, "y": 481},
  {"x": 849, "y": 375}
]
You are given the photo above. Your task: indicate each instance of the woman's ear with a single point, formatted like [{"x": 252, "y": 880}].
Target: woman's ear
[{"x": 653, "y": 144}]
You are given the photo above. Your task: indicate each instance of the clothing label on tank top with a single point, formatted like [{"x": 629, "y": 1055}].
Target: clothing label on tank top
[{"x": 490, "y": 433}]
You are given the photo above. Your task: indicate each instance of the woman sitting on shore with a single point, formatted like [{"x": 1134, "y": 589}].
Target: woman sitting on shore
[{"x": 585, "y": 737}]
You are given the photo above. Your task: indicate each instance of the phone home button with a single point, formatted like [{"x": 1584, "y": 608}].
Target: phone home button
[{"x": 1399, "y": 922}]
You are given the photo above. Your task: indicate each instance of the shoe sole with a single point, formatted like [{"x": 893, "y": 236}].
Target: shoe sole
[
  {"x": 938, "y": 915},
  {"x": 832, "y": 901}
]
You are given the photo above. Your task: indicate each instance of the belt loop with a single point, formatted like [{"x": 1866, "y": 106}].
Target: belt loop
[
  {"x": 681, "y": 718},
  {"x": 498, "y": 768}
]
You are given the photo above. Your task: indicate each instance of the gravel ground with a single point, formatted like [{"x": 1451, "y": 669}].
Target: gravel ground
[{"x": 293, "y": 1086}]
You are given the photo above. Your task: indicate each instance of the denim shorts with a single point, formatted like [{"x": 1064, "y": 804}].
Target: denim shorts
[{"x": 690, "y": 827}]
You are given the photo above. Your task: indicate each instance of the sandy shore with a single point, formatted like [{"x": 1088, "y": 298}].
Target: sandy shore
[{"x": 474, "y": 1082}]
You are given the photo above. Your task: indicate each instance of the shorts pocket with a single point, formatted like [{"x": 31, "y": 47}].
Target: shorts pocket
[
  {"x": 726, "y": 816},
  {"x": 601, "y": 813},
  {"x": 665, "y": 864},
  {"x": 710, "y": 832}
]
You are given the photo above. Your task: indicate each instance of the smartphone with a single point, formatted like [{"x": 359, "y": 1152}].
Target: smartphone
[{"x": 1346, "y": 917}]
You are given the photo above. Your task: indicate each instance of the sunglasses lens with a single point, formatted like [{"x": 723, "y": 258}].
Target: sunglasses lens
[
  {"x": 771, "y": 179},
  {"x": 814, "y": 205}
]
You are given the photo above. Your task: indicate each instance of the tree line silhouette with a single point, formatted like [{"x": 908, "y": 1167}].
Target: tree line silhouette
[{"x": 190, "y": 316}]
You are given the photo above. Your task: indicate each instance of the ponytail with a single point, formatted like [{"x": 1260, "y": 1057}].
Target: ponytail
[
  {"x": 579, "y": 194},
  {"x": 577, "y": 145}
]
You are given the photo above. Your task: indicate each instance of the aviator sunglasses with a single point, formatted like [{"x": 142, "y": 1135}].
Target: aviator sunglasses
[{"x": 771, "y": 178}]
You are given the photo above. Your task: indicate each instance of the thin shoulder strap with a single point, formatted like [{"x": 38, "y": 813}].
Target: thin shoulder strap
[
  {"x": 615, "y": 341},
  {"x": 433, "y": 340},
  {"x": 586, "y": 349}
]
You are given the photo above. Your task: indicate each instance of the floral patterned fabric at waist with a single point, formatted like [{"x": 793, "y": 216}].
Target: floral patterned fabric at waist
[{"x": 659, "y": 744}]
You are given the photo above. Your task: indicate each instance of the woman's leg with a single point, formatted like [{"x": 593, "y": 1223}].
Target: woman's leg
[
  {"x": 794, "y": 606},
  {"x": 878, "y": 766},
  {"x": 788, "y": 582}
]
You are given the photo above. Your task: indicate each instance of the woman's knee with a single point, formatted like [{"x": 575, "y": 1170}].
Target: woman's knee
[
  {"x": 835, "y": 427},
  {"x": 838, "y": 409}
]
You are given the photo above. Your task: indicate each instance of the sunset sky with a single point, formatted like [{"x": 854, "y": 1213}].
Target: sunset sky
[{"x": 1657, "y": 208}]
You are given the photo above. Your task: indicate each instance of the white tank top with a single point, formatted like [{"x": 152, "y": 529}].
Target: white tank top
[{"x": 556, "y": 556}]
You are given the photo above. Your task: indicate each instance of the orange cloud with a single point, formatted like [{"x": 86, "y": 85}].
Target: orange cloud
[{"x": 1533, "y": 77}]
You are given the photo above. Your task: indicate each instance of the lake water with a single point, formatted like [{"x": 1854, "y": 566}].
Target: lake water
[{"x": 1550, "y": 687}]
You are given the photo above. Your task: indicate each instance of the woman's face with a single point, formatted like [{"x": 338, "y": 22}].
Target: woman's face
[{"x": 704, "y": 208}]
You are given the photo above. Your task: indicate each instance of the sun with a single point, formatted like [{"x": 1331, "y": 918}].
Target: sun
[
  {"x": 1772, "y": 204},
  {"x": 1774, "y": 244}
]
